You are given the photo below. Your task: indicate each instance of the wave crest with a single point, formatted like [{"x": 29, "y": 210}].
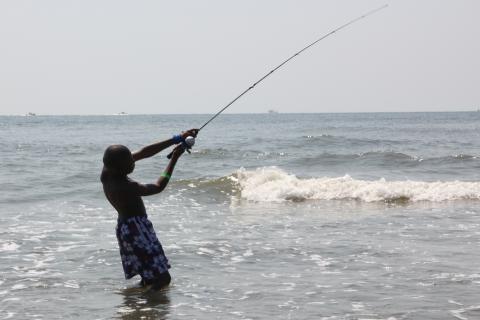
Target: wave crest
[{"x": 272, "y": 184}]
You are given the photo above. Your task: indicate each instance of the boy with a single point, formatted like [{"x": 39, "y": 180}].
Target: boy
[{"x": 140, "y": 250}]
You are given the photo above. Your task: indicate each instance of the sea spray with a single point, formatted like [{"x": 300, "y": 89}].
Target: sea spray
[{"x": 271, "y": 184}]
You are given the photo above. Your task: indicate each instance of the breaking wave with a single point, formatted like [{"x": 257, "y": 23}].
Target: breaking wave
[{"x": 272, "y": 184}]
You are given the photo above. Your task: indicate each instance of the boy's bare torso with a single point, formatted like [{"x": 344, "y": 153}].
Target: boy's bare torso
[{"x": 123, "y": 195}]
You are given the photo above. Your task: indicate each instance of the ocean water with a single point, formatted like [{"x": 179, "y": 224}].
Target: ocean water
[{"x": 272, "y": 216}]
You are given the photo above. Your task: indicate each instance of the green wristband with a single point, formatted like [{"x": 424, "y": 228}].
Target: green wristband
[{"x": 165, "y": 175}]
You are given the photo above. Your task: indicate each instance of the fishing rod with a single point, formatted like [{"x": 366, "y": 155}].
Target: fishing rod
[
  {"x": 188, "y": 143},
  {"x": 290, "y": 58}
]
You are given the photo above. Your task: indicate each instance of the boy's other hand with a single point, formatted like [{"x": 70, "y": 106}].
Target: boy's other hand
[
  {"x": 178, "y": 151},
  {"x": 190, "y": 133}
]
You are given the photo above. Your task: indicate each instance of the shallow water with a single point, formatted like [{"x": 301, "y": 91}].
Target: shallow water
[{"x": 256, "y": 243}]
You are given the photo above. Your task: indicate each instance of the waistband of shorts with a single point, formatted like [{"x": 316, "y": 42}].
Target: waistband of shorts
[{"x": 128, "y": 219}]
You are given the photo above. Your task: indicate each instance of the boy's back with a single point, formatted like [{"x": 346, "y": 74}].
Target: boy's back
[{"x": 122, "y": 193}]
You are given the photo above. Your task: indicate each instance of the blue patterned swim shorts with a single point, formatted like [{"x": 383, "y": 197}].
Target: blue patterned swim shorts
[{"x": 140, "y": 249}]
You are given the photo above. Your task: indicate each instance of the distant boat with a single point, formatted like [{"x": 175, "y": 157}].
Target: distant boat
[
  {"x": 122, "y": 114},
  {"x": 272, "y": 111},
  {"x": 30, "y": 114}
]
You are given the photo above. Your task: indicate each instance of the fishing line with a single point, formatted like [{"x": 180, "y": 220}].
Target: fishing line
[
  {"x": 290, "y": 58},
  {"x": 187, "y": 145}
]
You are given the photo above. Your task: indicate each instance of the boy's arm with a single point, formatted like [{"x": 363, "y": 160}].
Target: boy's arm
[
  {"x": 151, "y": 150},
  {"x": 155, "y": 148},
  {"x": 154, "y": 188}
]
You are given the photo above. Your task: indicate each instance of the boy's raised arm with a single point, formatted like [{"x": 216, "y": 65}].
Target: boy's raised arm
[
  {"x": 153, "y": 149},
  {"x": 154, "y": 188}
]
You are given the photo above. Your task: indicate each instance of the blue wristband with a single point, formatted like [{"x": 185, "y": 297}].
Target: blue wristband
[{"x": 177, "y": 138}]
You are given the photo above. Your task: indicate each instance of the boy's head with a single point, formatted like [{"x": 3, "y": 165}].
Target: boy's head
[{"x": 119, "y": 159}]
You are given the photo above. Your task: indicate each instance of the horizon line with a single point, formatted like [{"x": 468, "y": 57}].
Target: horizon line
[{"x": 230, "y": 113}]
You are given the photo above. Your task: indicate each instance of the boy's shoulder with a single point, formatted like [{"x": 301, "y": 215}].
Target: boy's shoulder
[{"x": 121, "y": 184}]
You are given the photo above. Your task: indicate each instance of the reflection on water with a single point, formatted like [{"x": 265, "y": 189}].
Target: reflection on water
[{"x": 141, "y": 303}]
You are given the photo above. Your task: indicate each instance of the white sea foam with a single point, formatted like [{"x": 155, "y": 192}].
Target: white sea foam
[
  {"x": 272, "y": 184},
  {"x": 9, "y": 246},
  {"x": 19, "y": 286}
]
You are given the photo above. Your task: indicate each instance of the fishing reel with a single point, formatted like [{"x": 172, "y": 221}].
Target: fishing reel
[{"x": 187, "y": 144}]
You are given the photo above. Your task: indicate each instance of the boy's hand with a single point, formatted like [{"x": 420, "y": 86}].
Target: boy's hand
[
  {"x": 190, "y": 133},
  {"x": 178, "y": 151}
]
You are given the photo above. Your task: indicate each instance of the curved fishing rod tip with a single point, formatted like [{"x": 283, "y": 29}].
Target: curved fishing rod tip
[{"x": 291, "y": 57}]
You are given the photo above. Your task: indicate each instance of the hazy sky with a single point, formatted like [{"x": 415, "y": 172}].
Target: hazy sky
[{"x": 194, "y": 56}]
